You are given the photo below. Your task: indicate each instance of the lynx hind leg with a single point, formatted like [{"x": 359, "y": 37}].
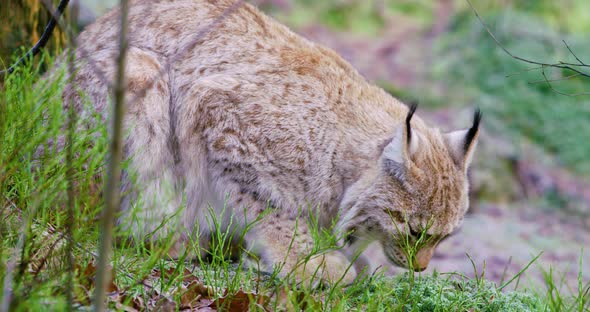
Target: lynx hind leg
[
  {"x": 154, "y": 206},
  {"x": 150, "y": 190}
]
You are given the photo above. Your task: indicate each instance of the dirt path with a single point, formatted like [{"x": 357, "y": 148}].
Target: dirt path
[{"x": 508, "y": 237}]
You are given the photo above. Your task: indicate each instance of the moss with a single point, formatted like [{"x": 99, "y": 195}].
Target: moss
[{"x": 439, "y": 292}]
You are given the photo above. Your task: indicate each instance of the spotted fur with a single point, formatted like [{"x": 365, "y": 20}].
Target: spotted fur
[{"x": 254, "y": 116}]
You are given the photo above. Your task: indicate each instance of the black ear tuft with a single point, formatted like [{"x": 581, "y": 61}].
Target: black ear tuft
[
  {"x": 473, "y": 130},
  {"x": 408, "y": 119}
]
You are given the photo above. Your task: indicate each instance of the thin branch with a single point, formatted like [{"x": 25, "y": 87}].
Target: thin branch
[
  {"x": 505, "y": 270},
  {"x": 574, "y": 54},
  {"x": 45, "y": 259},
  {"x": 520, "y": 273},
  {"x": 112, "y": 193},
  {"x": 567, "y": 66},
  {"x": 559, "y": 92},
  {"x": 70, "y": 172},
  {"x": 554, "y": 80},
  {"x": 84, "y": 55},
  {"x": 42, "y": 41},
  {"x": 523, "y": 71},
  {"x": 11, "y": 265}
]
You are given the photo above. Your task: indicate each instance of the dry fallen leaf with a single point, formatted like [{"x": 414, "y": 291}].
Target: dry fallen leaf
[
  {"x": 192, "y": 293},
  {"x": 188, "y": 277},
  {"x": 89, "y": 276},
  {"x": 165, "y": 305},
  {"x": 121, "y": 303},
  {"x": 167, "y": 273},
  {"x": 196, "y": 295},
  {"x": 240, "y": 301}
]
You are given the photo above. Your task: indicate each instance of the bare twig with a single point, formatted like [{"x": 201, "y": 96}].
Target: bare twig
[
  {"x": 523, "y": 71},
  {"x": 84, "y": 55},
  {"x": 505, "y": 270},
  {"x": 45, "y": 259},
  {"x": 112, "y": 195},
  {"x": 71, "y": 201},
  {"x": 559, "y": 92},
  {"x": 11, "y": 265},
  {"x": 562, "y": 65},
  {"x": 574, "y": 54},
  {"x": 520, "y": 273},
  {"x": 554, "y": 80},
  {"x": 42, "y": 41}
]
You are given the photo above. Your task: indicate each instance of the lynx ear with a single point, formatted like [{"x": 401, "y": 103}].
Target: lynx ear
[
  {"x": 462, "y": 143},
  {"x": 396, "y": 154}
]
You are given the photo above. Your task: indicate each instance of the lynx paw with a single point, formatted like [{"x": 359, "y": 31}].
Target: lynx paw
[{"x": 329, "y": 268}]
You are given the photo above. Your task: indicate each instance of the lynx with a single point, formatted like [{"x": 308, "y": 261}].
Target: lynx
[{"x": 254, "y": 122}]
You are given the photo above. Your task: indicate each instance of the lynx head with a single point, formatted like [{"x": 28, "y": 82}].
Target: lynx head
[{"x": 417, "y": 194}]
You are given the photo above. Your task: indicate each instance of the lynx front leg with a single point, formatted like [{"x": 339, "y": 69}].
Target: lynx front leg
[{"x": 284, "y": 242}]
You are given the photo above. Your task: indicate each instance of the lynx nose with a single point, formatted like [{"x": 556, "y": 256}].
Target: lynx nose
[{"x": 422, "y": 258}]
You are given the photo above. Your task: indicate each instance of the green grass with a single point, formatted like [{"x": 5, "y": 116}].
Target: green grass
[{"x": 33, "y": 184}]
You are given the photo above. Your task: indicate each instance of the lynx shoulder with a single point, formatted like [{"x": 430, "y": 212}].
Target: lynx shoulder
[{"x": 234, "y": 114}]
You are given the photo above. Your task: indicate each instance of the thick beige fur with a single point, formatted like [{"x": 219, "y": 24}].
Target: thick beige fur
[{"x": 255, "y": 116}]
